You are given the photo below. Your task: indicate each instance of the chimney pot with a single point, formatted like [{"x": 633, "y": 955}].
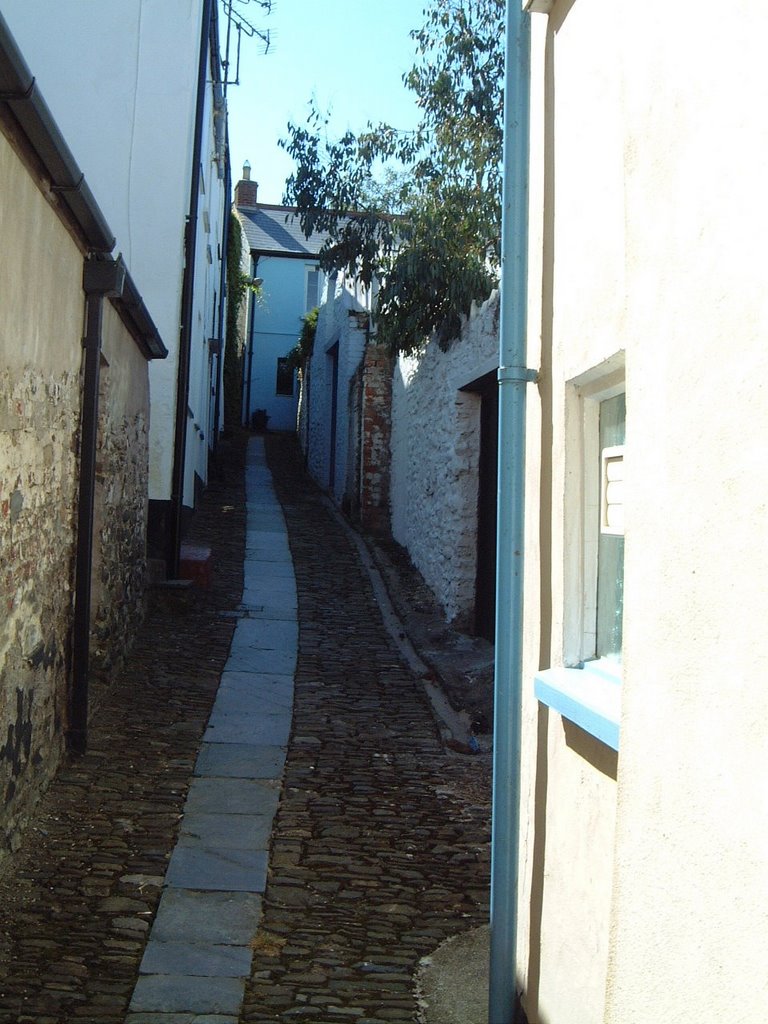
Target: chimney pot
[{"x": 246, "y": 191}]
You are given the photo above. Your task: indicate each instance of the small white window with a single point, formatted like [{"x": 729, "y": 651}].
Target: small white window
[
  {"x": 312, "y": 289},
  {"x": 594, "y": 515},
  {"x": 610, "y": 529}
]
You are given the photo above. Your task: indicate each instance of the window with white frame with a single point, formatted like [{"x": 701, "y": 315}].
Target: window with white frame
[
  {"x": 610, "y": 528},
  {"x": 586, "y": 689},
  {"x": 312, "y": 282},
  {"x": 594, "y": 451}
]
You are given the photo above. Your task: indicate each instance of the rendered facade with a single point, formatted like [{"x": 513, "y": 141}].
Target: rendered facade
[
  {"x": 642, "y": 846},
  {"x": 290, "y": 283},
  {"x": 152, "y": 143}
]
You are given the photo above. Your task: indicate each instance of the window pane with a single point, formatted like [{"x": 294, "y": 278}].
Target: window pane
[
  {"x": 313, "y": 289},
  {"x": 284, "y": 379},
  {"x": 610, "y": 551}
]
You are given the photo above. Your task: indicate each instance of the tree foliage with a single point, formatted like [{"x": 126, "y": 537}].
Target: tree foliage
[
  {"x": 429, "y": 228},
  {"x": 237, "y": 284},
  {"x": 302, "y": 350}
]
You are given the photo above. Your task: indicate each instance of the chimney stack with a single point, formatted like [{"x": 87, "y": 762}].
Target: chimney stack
[{"x": 246, "y": 191}]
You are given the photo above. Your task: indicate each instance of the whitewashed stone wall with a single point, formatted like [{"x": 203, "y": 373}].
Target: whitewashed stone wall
[{"x": 435, "y": 456}]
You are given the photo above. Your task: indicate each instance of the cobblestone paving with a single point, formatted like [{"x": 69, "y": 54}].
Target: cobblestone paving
[
  {"x": 380, "y": 846},
  {"x": 78, "y": 896}
]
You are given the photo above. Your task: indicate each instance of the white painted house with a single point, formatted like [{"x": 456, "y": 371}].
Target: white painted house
[
  {"x": 643, "y": 849},
  {"x": 285, "y": 263},
  {"x": 136, "y": 89}
]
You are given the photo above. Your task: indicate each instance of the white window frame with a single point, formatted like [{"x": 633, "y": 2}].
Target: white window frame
[
  {"x": 308, "y": 269},
  {"x": 586, "y": 690},
  {"x": 582, "y": 500}
]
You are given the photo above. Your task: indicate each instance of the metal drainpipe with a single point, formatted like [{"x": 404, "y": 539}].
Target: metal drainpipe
[
  {"x": 222, "y": 296},
  {"x": 173, "y": 545},
  {"x": 101, "y": 279},
  {"x": 513, "y": 378}
]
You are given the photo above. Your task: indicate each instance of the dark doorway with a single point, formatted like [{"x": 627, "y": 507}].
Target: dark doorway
[{"x": 485, "y": 582}]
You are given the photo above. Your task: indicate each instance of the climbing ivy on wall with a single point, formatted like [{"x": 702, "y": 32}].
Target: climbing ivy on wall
[{"x": 237, "y": 286}]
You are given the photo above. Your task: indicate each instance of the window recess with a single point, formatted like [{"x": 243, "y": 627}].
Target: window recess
[{"x": 588, "y": 690}]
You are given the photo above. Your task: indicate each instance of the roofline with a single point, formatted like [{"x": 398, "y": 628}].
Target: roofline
[
  {"x": 286, "y": 254},
  {"x": 266, "y": 206}
]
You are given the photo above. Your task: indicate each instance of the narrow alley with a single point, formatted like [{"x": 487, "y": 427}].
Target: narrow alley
[{"x": 379, "y": 849}]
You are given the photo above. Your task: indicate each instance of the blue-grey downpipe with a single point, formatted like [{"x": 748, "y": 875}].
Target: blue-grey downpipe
[{"x": 513, "y": 381}]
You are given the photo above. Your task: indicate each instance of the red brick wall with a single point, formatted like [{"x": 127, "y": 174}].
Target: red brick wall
[{"x": 376, "y": 432}]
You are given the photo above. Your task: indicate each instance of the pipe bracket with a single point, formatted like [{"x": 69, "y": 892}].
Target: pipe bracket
[{"x": 517, "y": 373}]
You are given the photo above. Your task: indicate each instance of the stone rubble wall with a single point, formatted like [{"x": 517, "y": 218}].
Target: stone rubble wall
[
  {"x": 38, "y": 474},
  {"x": 435, "y": 456},
  {"x": 41, "y": 326},
  {"x": 376, "y": 431},
  {"x": 122, "y": 483}
]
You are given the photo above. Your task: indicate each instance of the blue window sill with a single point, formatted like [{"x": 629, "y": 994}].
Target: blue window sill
[{"x": 589, "y": 696}]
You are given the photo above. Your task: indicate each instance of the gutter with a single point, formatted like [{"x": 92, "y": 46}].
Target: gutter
[
  {"x": 513, "y": 379},
  {"x": 173, "y": 545}
]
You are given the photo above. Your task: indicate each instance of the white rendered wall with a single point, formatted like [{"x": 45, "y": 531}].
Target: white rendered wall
[
  {"x": 435, "y": 453},
  {"x": 120, "y": 78},
  {"x": 334, "y": 325}
]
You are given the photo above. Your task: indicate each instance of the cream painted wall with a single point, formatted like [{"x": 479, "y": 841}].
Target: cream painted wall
[
  {"x": 45, "y": 263},
  {"x": 691, "y": 890},
  {"x": 646, "y": 899},
  {"x": 120, "y": 77},
  {"x": 576, "y": 322}
]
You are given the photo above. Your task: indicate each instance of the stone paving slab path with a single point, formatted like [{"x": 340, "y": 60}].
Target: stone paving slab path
[{"x": 196, "y": 962}]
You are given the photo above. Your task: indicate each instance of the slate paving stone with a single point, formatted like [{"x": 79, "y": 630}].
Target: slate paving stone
[
  {"x": 257, "y": 660},
  {"x": 218, "y": 918},
  {"x": 241, "y": 760},
  {"x": 180, "y": 1018},
  {"x": 227, "y": 831},
  {"x": 264, "y": 634},
  {"x": 225, "y": 869},
  {"x": 232, "y": 796},
  {"x": 186, "y": 958},
  {"x": 270, "y": 686},
  {"x": 248, "y": 707},
  {"x": 169, "y": 993},
  {"x": 271, "y": 730}
]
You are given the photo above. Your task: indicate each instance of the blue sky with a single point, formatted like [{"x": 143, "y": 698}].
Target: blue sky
[{"x": 349, "y": 56}]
